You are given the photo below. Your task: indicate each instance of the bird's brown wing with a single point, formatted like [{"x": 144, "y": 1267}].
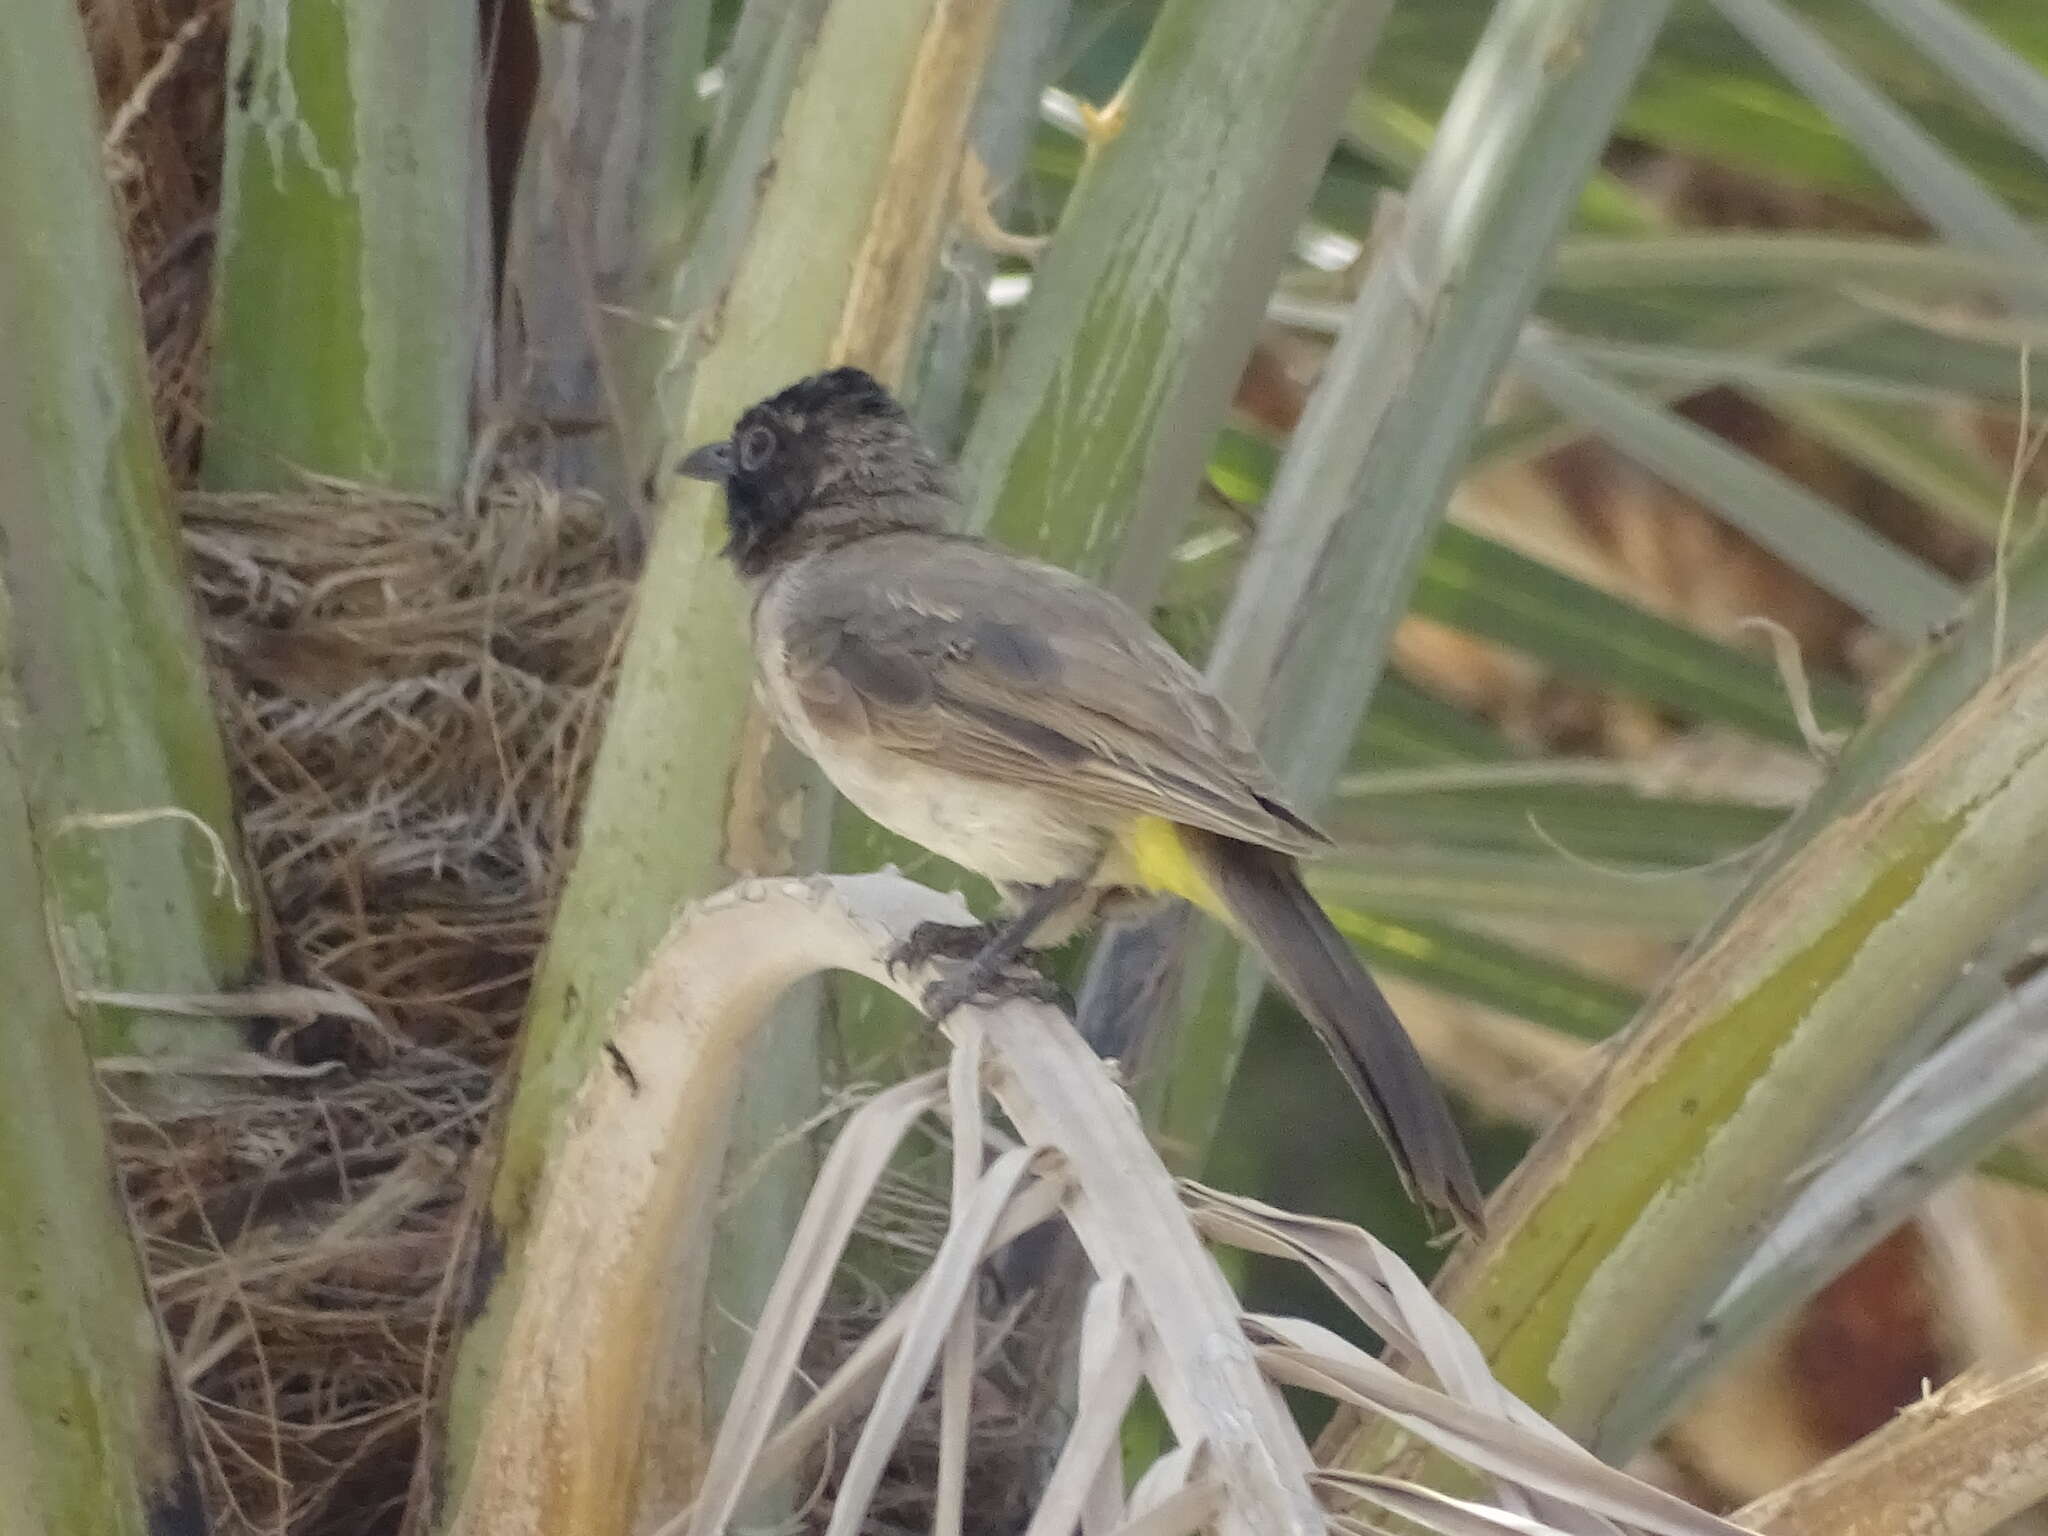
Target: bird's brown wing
[{"x": 968, "y": 659}]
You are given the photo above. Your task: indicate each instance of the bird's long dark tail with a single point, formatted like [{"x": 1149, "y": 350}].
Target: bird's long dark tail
[{"x": 1264, "y": 895}]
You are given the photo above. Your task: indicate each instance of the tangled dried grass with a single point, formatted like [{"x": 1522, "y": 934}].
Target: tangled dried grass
[
  {"x": 297, "y": 1237},
  {"x": 411, "y": 694}
]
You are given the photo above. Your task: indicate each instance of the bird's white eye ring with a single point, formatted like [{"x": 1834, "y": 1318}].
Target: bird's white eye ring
[{"x": 757, "y": 446}]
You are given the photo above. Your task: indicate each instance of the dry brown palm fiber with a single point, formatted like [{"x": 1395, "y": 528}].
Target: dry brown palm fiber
[{"x": 411, "y": 693}]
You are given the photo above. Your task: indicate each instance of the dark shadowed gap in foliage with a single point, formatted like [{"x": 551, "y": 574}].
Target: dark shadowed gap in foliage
[{"x": 511, "y": 64}]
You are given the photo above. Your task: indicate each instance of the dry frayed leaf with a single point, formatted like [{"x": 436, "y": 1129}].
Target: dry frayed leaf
[
  {"x": 850, "y": 1172},
  {"x": 949, "y": 1279},
  {"x": 852, "y": 1386},
  {"x": 1087, "y": 1478},
  {"x": 1173, "y": 1495},
  {"x": 1579, "y": 1492},
  {"x": 963, "y": 1108}
]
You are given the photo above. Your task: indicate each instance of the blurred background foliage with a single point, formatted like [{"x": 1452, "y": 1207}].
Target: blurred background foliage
[{"x": 1780, "y": 364}]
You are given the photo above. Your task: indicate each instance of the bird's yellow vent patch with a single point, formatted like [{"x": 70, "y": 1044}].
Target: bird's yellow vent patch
[{"x": 1159, "y": 855}]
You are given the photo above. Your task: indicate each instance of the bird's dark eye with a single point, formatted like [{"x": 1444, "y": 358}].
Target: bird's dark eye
[{"x": 757, "y": 447}]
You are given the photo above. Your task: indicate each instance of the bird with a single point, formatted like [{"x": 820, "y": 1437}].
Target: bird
[{"x": 1028, "y": 725}]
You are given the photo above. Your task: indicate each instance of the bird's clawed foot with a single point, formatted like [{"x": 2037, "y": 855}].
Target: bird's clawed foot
[
  {"x": 974, "y": 981},
  {"x": 979, "y": 965}
]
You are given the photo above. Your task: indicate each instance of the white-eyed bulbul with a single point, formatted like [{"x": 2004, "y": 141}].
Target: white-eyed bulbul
[{"x": 1028, "y": 725}]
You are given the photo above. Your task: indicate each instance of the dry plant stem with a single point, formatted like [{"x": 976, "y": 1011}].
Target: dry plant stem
[
  {"x": 1111, "y": 1355},
  {"x": 1582, "y": 1494},
  {"x": 963, "y": 1099},
  {"x": 1174, "y": 1495},
  {"x": 852, "y": 1387},
  {"x": 892, "y": 273},
  {"x": 951, "y": 1283},
  {"x": 558, "y": 1442},
  {"x": 1111, "y": 1368},
  {"x": 1000, "y": 133},
  {"x": 1541, "y": 1472},
  {"x": 1959, "y": 1463},
  {"x": 1614, "y": 1236},
  {"x": 869, "y": 1138}
]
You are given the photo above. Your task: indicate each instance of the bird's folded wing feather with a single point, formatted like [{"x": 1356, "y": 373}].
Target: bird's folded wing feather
[{"x": 968, "y": 659}]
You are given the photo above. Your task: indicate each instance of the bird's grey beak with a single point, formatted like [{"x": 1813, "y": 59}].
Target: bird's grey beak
[{"x": 712, "y": 462}]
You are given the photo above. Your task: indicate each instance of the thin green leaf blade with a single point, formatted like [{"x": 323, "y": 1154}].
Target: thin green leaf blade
[
  {"x": 2004, "y": 83},
  {"x": 1926, "y": 175},
  {"x": 1532, "y": 888},
  {"x": 1481, "y": 586},
  {"x": 1535, "y": 807},
  {"x": 1489, "y": 971},
  {"x": 1889, "y": 587}
]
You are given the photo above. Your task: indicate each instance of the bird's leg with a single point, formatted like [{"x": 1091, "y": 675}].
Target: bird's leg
[{"x": 1000, "y": 948}]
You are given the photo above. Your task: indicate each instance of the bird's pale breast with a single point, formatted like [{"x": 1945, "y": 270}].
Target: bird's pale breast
[{"x": 1012, "y": 834}]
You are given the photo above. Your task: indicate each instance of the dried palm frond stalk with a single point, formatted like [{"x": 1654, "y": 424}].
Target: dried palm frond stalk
[
  {"x": 562, "y": 1448},
  {"x": 1961, "y": 1462}
]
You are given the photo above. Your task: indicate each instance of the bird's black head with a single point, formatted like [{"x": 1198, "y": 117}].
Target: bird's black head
[{"x": 833, "y": 454}]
